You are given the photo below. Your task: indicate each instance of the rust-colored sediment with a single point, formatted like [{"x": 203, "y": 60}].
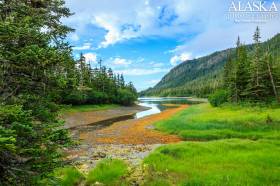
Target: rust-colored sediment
[{"x": 136, "y": 131}]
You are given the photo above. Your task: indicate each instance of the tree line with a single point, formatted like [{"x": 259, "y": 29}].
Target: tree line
[
  {"x": 250, "y": 76},
  {"x": 37, "y": 74},
  {"x": 98, "y": 85}
]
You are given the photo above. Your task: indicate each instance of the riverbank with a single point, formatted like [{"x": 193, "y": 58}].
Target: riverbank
[
  {"x": 87, "y": 108},
  {"x": 130, "y": 140},
  {"x": 109, "y": 113}
]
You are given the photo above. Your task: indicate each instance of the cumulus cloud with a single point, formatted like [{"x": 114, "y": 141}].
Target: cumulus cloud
[
  {"x": 121, "y": 61},
  {"x": 180, "y": 58},
  {"x": 142, "y": 18},
  {"x": 90, "y": 57},
  {"x": 86, "y": 46},
  {"x": 125, "y": 19}
]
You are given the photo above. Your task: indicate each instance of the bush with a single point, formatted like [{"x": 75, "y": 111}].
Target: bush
[
  {"x": 75, "y": 98},
  {"x": 67, "y": 176},
  {"x": 126, "y": 97},
  {"x": 108, "y": 172},
  {"x": 219, "y": 97}
]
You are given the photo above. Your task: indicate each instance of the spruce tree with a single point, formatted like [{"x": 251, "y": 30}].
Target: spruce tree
[{"x": 255, "y": 89}]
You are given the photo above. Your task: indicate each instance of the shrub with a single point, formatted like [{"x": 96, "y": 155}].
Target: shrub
[
  {"x": 75, "y": 98},
  {"x": 126, "y": 97},
  {"x": 219, "y": 97},
  {"x": 67, "y": 176},
  {"x": 108, "y": 172}
]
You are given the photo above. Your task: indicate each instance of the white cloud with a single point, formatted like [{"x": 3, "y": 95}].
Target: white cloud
[
  {"x": 86, "y": 46},
  {"x": 180, "y": 58},
  {"x": 202, "y": 24},
  {"x": 90, "y": 57},
  {"x": 141, "y": 71},
  {"x": 126, "y": 19},
  {"x": 121, "y": 61}
]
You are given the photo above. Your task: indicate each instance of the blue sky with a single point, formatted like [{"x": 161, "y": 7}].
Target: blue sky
[{"x": 144, "y": 39}]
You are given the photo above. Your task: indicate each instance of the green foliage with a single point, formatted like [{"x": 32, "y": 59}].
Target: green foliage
[
  {"x": 108, "y": 172},
  {"x": 36, "y": 66},
  {"x": 87, "y": 108},
  {"x": 125, "y": 97},
  {"x": 222, "y": 162},
  {"x": 233, "y": 69},
  {"x": 75, "y": 98},
  {"x": 99, "y": 86},
  {"x": 67, "y": 176},
  {"x": 252, "y": 78},
  {"x": 7, "y": 140},
  {"x": 28, "y": 146},
  {"x": 203, "y": 122},
  {"x": 218, "y": 98}
]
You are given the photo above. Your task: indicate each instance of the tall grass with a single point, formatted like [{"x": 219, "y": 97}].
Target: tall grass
[
  {"x": 251, "y": 159},
  {"x": 203, "y": 122},
  {"x": 67, "y": 176},
  {"x": 224, "y": 162},
  {"x": 110, "y": 172}
]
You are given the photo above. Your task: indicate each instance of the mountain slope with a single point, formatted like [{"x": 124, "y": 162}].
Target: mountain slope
[{"x": 199, "y": 77}]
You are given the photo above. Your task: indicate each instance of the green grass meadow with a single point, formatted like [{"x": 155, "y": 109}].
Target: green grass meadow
[
  {"x": 228, "y": 145},
  {"x": 109, "y": 172},
  {"x": 204, "y": 122},
  {"x": 220, "y": 162}
]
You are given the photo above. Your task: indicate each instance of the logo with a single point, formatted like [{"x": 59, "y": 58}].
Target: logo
[{"x": 252, "y": 11}]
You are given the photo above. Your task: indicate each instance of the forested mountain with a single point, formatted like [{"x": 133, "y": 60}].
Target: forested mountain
[{"x": 202, "y": 76}]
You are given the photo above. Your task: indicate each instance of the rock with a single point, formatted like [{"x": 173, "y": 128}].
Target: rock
[
  {"x": 98, "y": 184},
  {"x": 99, "y": 155}
]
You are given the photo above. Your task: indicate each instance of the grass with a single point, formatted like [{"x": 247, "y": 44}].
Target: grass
[
  {"x": 223, "y": 162},
  {"x": 231, "y": 145},
  {"x": 87, "y": 108},
  {"x": 110, "y": 172},
  {"x": 67, "y": 176},
  {"x": 203, "y": 122}
]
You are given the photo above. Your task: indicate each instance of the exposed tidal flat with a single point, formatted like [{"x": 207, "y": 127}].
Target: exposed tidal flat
[{"x": 184, "y": 145}]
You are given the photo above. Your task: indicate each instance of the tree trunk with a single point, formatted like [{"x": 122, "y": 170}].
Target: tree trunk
[{"x": 271, "y": 79}]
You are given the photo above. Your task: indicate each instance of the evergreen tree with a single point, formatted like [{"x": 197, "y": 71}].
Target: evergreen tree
[
  {"x": 242, "y": 74},
  {"x": 255, "y": 87},
  {"x": 36, "y": 66}
]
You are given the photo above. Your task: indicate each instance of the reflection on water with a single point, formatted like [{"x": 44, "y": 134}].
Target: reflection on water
[
  {"x": 159, "y": 104},
  {"x": 154, "y": 109}
]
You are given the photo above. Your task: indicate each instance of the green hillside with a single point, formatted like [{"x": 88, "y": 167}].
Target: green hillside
[{"x": 201, "y": 76}]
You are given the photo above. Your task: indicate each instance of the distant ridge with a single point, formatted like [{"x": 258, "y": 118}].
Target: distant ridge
[{"x": 201, "y": 76}]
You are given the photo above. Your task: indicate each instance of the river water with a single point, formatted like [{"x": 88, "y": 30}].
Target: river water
[{"x": 158, "y": 104}]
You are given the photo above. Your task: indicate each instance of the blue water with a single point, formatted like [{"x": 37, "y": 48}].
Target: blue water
[{"x": 156, "y": 104}]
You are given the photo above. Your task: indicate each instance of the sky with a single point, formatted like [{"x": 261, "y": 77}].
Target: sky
[{"x": 144, "y": 39}]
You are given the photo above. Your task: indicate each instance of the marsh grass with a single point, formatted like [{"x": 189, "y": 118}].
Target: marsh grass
[
  {"x": 203, "y": 122},
  {"x": 66, "y": 176},
  {"x": 232, "y": 145},
  {"x": 110, "y": 172},
  {"x": 223, "y": 162}
]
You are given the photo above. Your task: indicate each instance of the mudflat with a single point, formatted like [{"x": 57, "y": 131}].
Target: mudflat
[{"x": 77, "y": 119}]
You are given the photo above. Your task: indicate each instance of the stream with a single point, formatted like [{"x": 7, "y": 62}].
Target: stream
[{"x": 158, "y": 104}]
